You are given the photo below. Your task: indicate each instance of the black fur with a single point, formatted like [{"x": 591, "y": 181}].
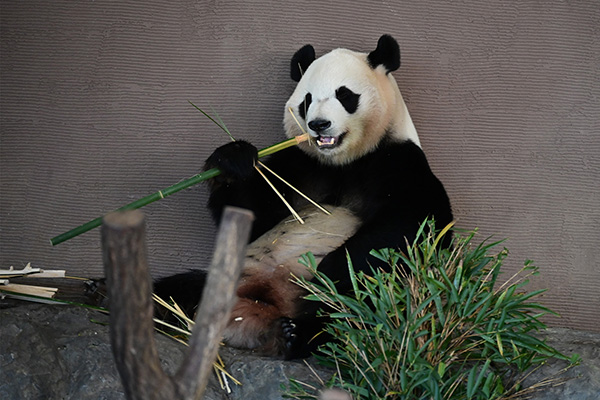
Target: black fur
[
  {"x": 301, "y": 60},
  {"x": 348, "y": 98},
  {"x": 303, "y": 107},
  {"x": 233, "y": 161},
  {"x": 392, "y": 190},
  {"x": 387, "y": 54},
  {"x": 186, "y": 288}
]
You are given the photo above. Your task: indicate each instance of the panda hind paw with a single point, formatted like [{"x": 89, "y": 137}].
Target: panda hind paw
[{"x": 289, "y": 331}]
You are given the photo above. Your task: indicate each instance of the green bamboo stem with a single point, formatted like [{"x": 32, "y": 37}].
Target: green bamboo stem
[{"x": 161, "y": 194}]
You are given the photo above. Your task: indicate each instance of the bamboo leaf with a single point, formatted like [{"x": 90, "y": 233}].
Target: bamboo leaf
[{"x": 438, "y": 331}]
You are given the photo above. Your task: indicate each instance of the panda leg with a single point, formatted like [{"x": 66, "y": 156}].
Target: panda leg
[
  {"x": 251, "y": 326},
  {"x": 254, "y": 321},
  {"x": 260, "y": 318},
  {"x": 265, "y": 297},
  {"x": 184, "y": 289}
]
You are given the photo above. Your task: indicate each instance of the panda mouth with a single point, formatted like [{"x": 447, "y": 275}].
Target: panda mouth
[{"x": 329, "y": 142}]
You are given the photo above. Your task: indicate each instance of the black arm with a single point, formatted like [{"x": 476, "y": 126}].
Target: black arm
[
  {"x": 399, "y": 192},
  {"x": 240, "y": 185}
]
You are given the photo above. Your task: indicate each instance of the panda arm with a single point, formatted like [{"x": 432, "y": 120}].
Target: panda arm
[
  {"x": 307, "y": 327},
  {"x": 404, "y": 193},
  {"x": 240, "y": 185},
  {"x": 375, "y": 235}
]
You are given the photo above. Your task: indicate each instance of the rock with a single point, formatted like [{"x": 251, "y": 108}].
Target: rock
[
  {"x": 63, "y": 352},
  {"x": 55, "y": 352},
  {"x": 581, "y": 382}
]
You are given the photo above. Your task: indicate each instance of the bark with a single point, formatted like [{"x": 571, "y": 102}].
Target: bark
[{"x": 132, "y": 308}]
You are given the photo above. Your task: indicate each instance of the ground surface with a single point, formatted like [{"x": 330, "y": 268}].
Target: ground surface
[{"x": 63, "y": 352}]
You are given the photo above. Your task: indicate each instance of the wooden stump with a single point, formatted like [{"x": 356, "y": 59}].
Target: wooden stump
[{"x": 132, "y": 308}]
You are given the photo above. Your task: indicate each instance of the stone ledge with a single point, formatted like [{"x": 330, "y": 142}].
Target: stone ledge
[{"x": 63, "y": 352}]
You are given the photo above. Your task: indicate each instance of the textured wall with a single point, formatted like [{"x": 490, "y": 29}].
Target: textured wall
[{"x": 94, "y": 114}]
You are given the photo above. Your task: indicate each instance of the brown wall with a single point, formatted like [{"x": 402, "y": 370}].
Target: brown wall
[{"x": 94, "y": 114}]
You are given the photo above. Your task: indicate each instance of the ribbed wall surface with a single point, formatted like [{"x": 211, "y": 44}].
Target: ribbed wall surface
[{"x": 94, "y": 114}]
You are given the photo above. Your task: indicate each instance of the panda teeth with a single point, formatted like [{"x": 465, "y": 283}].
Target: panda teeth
[{"x": 326, "y": 141}]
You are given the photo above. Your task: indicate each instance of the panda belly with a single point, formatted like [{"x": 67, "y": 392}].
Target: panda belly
[{"x": 266, "y": 293}]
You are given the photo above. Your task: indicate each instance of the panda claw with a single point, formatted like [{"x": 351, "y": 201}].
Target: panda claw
[{"x": 289, "y": 329}]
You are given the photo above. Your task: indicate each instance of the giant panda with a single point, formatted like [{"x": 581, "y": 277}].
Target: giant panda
[{"x": 363, "y": 162}]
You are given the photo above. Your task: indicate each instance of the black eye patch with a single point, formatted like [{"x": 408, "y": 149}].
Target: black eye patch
[
  {"x": 303, "y": 107},
  {"x": 348, "y": 98}
]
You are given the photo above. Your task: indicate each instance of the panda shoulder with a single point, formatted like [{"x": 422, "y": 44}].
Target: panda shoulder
[
  {"x": 405, "y": 152},
  {"x": 289, "y": 160},
  {"x": 290, "y": 154}
]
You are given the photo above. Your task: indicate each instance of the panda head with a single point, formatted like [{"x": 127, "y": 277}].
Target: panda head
[{"x": 347, "y": 101}]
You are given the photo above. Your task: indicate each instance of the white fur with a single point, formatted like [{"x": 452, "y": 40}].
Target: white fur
[
  {"x": 271, "y": 261},
  {"x": 381, "y": 107}
]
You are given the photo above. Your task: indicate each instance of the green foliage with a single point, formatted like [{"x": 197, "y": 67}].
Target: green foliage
[{"x": 438, "y": 325}]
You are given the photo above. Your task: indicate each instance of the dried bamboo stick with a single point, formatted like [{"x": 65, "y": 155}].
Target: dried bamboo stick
[
  {"x": 294, "y": 188},
  {"x": 39, "y": 291},
  {"x": 288, "y": 205}
]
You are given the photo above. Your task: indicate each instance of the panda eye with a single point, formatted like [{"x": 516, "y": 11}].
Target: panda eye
[
  {"x": 348, "y": 98},
  {"x": 303, "y": 107}
]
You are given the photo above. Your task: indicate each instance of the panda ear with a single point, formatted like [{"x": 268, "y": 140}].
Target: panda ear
[
  {"x": 387, "y": 54},
  {"x": 301, "y": 60}
]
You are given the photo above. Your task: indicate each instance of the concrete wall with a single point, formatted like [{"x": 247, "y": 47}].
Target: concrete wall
[{"x": 94, "y": 114}]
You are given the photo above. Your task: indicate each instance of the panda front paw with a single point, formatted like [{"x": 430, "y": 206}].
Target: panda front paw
[{"x": 236, "y": 160}]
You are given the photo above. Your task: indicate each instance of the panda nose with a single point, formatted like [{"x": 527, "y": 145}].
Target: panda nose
[{"x": 319, "y": 125}]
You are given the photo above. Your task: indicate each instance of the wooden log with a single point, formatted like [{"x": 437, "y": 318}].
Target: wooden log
[
  {"x": 132, "y": 309},
  {"x": 218, "y": 298}
]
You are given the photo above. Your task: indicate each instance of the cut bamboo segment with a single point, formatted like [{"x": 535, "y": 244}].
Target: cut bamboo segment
[
  {"x": 40, "y": 291},
  {"x": 49, "y": 273}
]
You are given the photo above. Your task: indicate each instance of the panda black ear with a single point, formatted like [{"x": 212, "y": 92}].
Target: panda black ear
[
  {"x": 301, "y": 60},
  {"x": 387, "y": 54}
]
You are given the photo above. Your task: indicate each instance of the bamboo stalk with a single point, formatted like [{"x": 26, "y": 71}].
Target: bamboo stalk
[{"x": 161, "y": 194}]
